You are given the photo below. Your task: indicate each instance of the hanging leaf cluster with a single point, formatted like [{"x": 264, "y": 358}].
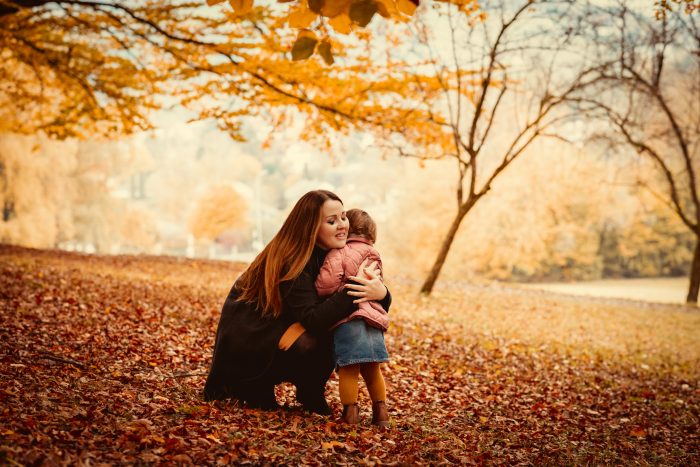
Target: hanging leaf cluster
[{"x": 314, "y": 17}]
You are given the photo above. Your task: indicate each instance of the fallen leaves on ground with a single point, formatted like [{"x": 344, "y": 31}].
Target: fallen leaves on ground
[{"x": 104, "y": 360}]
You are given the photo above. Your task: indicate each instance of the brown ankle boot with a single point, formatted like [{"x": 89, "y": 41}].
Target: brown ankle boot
[
  {"x": 351, "y": 414},
  {"x": 380, "y": 414}
]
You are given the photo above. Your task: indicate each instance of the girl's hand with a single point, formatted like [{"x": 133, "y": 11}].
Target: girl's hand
[{"x": 369, "y": 285}]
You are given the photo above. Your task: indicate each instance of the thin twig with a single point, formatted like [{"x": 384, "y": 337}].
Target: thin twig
[
  {"x": 184, "y": 375},
  {"x": 56, "y": 358}
]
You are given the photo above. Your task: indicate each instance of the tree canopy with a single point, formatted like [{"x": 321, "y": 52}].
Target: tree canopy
[{"x": 91, "y": 67}]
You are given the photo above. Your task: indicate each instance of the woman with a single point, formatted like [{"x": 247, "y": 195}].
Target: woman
[{"x": 273, "y": 325}]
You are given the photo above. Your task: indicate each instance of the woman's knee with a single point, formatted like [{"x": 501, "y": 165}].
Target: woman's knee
[{"x": 305, "y": 344}]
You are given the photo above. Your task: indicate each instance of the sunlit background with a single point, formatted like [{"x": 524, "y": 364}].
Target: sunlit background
[{"x": 572, "y": 214}]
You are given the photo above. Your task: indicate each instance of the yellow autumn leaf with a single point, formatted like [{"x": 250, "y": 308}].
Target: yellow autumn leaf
[
  {"x": 333, "y": 8},
  {"x": 241, "y": 7},
  {"x": 341, "y": 24},
  {"x": 302, "y": 17},
  {"x": 386, "y": 8},
  {"x": 406, "y": 7},
  {"x": 214, "y": 2}
]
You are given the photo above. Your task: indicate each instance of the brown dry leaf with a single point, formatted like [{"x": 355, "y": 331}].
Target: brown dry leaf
[
  {"x": 324, "y": 49},
  {"x": 333, "y": 8},
  {"x": 331, "y": 445},
  {"x": 304, "y": 45}
]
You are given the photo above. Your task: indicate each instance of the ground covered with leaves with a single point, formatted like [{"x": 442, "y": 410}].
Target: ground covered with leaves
[{"x": 104, "y": 360}]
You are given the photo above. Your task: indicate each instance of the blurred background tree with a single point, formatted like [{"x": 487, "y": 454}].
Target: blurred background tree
[
  {"x": 220, "y": 209},
  {"x": 478, "y": 93},
  {"x": 647, "y": 94}
]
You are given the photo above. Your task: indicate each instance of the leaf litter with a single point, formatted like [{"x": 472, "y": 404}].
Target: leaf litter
[{"x": 104, "y": 360}]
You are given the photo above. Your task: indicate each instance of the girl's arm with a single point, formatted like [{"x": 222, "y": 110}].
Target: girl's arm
[{"x": 330, "y": 277}]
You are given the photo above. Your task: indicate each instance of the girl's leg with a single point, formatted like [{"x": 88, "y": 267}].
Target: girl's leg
[
  {"x": 372, "y": 374},
  {"x": 348, "y": 377}
]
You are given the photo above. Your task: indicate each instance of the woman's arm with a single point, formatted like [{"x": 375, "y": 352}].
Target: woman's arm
[
  {"x": 367, "y": 285},
  {"x": 386, "y": 301},
  {"x": 299, "y": 298}
]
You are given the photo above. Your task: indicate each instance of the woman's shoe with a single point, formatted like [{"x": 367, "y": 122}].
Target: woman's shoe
[
  {"x": 313, "y": 401},
  {"x": 318, "y": 406},
  {"x": 263, "y": 399},
  {"x": 263, "y": 404},
  {"x": 351, "y": 414},
  {"x": 380, "y": 414}
]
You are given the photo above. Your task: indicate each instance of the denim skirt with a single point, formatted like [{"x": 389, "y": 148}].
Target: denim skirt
[{"x": 357, "y": 342}]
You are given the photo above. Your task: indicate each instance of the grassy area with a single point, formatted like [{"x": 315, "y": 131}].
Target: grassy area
[
  {"x": 656, "y": 290},
  {"x": 104, "y": 360},
  {"x": 662, "y": 336}
]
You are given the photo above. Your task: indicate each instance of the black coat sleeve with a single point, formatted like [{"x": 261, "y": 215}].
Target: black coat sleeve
[
  {"x": 386, "y": 301},
  {"x": 316, "y": 315}
]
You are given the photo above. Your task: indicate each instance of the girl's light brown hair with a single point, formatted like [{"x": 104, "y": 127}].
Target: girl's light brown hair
[
  {"x": 362, "y": 224},
  {"x": 285, "y": 256}
]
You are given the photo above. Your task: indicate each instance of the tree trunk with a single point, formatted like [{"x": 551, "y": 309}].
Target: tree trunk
[
  {"x": 444, "y": 249},
  {"x": 694, "y": 274}
]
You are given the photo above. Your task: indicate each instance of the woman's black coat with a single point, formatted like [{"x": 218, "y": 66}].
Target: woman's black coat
[{"x": 246, "y": 343}]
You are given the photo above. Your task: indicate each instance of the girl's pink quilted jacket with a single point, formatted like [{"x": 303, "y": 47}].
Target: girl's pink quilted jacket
[{"x": 340, "y": 263}]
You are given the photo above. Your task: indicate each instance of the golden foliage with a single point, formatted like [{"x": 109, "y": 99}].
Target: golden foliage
[
  {"x": 83, "y": 70},
  {"x": 101, "y": 69},
  {"x": 663, "y": 7}
]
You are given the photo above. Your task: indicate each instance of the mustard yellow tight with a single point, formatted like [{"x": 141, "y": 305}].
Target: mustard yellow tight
[{"x": 349, "y": 376}]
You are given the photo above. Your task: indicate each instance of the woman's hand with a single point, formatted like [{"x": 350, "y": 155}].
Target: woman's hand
[
  {"x": 367, "y": 267},
  {"x": 369, "y": 283}
]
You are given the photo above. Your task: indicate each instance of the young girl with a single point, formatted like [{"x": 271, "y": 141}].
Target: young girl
[{"x": 358, "y": 339}]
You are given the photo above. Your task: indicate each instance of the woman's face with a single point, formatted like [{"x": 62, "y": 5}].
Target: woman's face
[{"x": 333, "y": 232}]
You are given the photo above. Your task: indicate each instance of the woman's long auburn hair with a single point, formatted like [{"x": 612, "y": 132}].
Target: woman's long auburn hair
[{"x": 285, "y": 256}]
